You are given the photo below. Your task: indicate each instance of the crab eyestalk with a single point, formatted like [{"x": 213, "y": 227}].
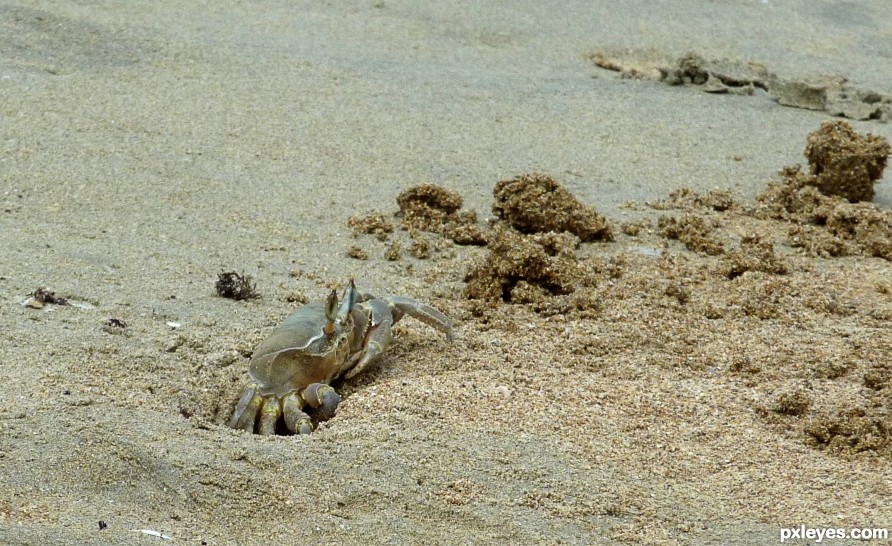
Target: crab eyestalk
[
  {"x": 331, "y": 313},
  {"x": 348, "y": 302}
]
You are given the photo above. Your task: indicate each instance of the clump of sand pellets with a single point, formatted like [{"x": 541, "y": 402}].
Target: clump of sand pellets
[
  {"x": 685, "y": 198},
  {"x": 537, "y": 203},
  {"x": 845, "y": 163},
  {"x": 821, "y": 204},
  {"x": 755, "y": 254},
  {"x": 518, "y": 266},
  {"x": 692, "y": 230},
  {"x": 431, "y": 208},
  {"x": 531, "y": 256},
  {"x": 374, "y": 223}
]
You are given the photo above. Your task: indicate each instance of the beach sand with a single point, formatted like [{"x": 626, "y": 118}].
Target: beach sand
[{"x": 681, "y": 395}]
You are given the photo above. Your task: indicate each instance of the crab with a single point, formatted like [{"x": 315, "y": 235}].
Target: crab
[{"x": 320, "y": 342}]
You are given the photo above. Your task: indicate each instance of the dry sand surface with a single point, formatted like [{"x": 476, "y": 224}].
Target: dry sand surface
[{"x": 693, "y": 367}]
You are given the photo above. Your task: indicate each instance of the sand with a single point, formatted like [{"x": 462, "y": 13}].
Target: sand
[{"x": 712, "y": 380}]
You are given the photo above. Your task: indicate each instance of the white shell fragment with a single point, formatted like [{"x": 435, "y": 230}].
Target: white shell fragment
[
  {"x": 155, "y": 534},
  {"x": 32, "y": 302}
]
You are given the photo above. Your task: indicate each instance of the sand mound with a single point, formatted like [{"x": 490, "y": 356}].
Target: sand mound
[
  {"x": 845, "y": 163},
  {"x": 531, "y": 256},
  {"x": 536, "y": 203},
  {"x": 431, "y": 208},
  {"x": 527, "y": 268},
  {"x": 844, "y": 166}
]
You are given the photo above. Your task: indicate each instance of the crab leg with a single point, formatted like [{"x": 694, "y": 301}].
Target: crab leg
[
  {"x": 323, "y": 398},
  {"x": 424, "y": 313},
  {"x": 296, "y": 420},
  {"x": 246, "y": 411},
  {"x": 270, "y": 413}
]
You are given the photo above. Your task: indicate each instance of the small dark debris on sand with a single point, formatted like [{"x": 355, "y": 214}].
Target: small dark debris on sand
[
  {"x": 42, "y": 296},
  {"x": 431, "y": 208},
  {"x": 116, "y": 323},
  {"x": 115, "y": 326},
  {"x": 236, "y": 287},
  {"x": 537, "y": 203}
]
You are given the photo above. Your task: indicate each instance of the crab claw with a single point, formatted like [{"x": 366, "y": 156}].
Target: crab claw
[
  {"x": 350, "y": 297},
  {"x": 323, "y": 398}
]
